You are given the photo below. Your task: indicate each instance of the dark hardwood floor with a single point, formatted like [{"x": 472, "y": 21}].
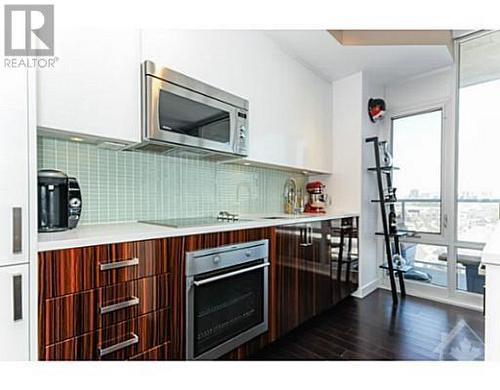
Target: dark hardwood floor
[{"x": 372, "y": 329}]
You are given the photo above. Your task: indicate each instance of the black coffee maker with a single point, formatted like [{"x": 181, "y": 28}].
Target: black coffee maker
[{"x": 59, "y": 201}]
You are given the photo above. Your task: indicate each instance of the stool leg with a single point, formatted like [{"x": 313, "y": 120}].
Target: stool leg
[
  {"x": 402, "y": 284},
  {"x": 341, "y": 255}
]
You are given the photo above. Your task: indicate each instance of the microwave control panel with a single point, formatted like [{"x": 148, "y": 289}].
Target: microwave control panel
[{"x": 242, "y": 125}]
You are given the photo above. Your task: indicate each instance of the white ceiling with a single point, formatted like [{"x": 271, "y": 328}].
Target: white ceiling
[{"x": 319, "y": 51}]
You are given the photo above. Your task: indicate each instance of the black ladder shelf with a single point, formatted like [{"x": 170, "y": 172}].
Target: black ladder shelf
[{"x": 390, "y": 232}]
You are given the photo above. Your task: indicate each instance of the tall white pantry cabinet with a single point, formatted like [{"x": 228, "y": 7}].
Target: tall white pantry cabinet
[{"x": 14, "y": 214}]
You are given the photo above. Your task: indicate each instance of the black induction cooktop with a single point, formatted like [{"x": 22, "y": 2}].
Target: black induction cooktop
[{"x": 193, "y": 222}]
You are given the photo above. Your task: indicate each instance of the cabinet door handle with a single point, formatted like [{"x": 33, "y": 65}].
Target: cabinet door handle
[
  {"x": 133, "y": 301},
  {"x": 17, "y": 230},
  {"x": 119, "y": 264},
  {"x": 17, "y": 295},
  {"x": 308, "y": 231},
  {"x": 303, "y": 236},
  {"x": 118, "y": 346}
]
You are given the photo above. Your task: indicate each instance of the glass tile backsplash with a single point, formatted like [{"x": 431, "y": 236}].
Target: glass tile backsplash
[{"x": 120, "y": 186}]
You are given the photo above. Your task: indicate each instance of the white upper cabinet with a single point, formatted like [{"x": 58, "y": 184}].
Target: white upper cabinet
[
  {"x": 14, "y": 328},
  {"x": 290, "y": 106},
  {"x": 94, "y": 87},
  {"x": 14, "y": 166}
]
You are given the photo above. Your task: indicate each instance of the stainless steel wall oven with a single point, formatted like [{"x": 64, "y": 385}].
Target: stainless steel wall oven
[{"x": 226, "y": 298}]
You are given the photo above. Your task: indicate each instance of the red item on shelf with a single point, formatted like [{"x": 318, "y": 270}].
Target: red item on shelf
[{"x": 317, "y": 198}]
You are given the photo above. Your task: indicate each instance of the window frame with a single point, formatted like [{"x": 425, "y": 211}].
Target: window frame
[{"x": 449, "y": 193}]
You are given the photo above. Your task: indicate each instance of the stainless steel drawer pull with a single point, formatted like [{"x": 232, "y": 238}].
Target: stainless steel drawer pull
[
  {"x": 17, "y": 230},
  {"x": 119, "y": 264},
  {"x": 306, "y": 238},
  {"x": 118, "y": 346},
  {"x": 229, "y": 274},
  {"x": 133, "y": 301},
  {"x": 17, "y": 287}
]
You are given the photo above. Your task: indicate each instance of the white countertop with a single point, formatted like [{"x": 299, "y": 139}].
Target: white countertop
[
  {"x": 88, "y": 235},
  {"x": 491, "y": 252}
]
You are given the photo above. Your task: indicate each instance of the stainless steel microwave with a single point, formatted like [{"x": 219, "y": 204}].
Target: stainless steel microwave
[{"x": 178, "y": 111}]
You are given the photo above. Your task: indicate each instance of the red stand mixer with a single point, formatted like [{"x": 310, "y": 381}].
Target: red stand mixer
[{"x": 317, "y": 199}]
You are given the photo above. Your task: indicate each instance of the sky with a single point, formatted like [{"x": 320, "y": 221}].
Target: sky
[
  {"x": 479, "y": 139},
  {"x": 417, "y": 152}
]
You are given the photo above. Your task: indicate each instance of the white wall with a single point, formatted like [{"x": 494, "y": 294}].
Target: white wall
[
  {"x": 419, "y": 91},
  {"x": 350, "y": 185},
  {"x": 344, "y": 185},
  {"x": 290, "y": 106},
  {"x": 370, "y": 214}
]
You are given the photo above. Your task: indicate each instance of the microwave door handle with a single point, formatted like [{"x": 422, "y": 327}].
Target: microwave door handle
[{"x": 198, "y": 283}]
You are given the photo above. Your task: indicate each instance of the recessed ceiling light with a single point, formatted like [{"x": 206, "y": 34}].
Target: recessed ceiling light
[
  {"x": 305, "y": 173},
  {"x": 76, "y": 139},
  {"x": 246, "y": 163}
]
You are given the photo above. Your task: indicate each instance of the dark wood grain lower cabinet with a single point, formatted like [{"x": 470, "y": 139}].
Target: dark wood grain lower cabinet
[
  {"x": 288, "y": 276},
  {"x": 161, "y": 352},
  {"x": 318, "y": 261},
  {"x": 118, "y": 342},
  {"x": 72, "y": 315},
  {"x": 69, "y": 271},
  {"x": 303, "y": 274},
  {"x": 307, "y": 280},
  {"x": 71, "y": 282},
  {"x": 143, "y": 278}
]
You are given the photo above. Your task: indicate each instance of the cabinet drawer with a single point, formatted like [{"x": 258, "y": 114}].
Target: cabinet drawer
[
  {"x": 73, "y": 270},
  {"x": 117, "y": 342},
  {"x": 72, "y": 315},
  {"x": 158, "y": 353}
]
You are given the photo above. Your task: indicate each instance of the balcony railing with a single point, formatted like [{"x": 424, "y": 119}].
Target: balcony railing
[{"x": 431, "y": 221}]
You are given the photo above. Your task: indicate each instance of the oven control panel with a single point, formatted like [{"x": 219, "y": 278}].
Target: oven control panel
[{"x": 209, "y": 260}]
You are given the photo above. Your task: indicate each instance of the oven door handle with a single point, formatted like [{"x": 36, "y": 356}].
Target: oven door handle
[{"x": 230, "y": 274}]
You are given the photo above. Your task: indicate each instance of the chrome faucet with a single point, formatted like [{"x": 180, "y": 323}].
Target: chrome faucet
[{"x": 293, "y": 197}]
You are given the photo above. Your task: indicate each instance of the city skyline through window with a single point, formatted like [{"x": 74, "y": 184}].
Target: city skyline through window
[{"x": 416, "y": 144}]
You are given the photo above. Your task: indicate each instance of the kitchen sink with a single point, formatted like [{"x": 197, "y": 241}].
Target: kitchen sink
[{"x": 287, "y": 216}]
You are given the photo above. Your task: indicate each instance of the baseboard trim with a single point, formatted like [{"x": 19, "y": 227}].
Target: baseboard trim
[
  {"x": 431, "y": 297},
  {"x": 367, "y": 289}
]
